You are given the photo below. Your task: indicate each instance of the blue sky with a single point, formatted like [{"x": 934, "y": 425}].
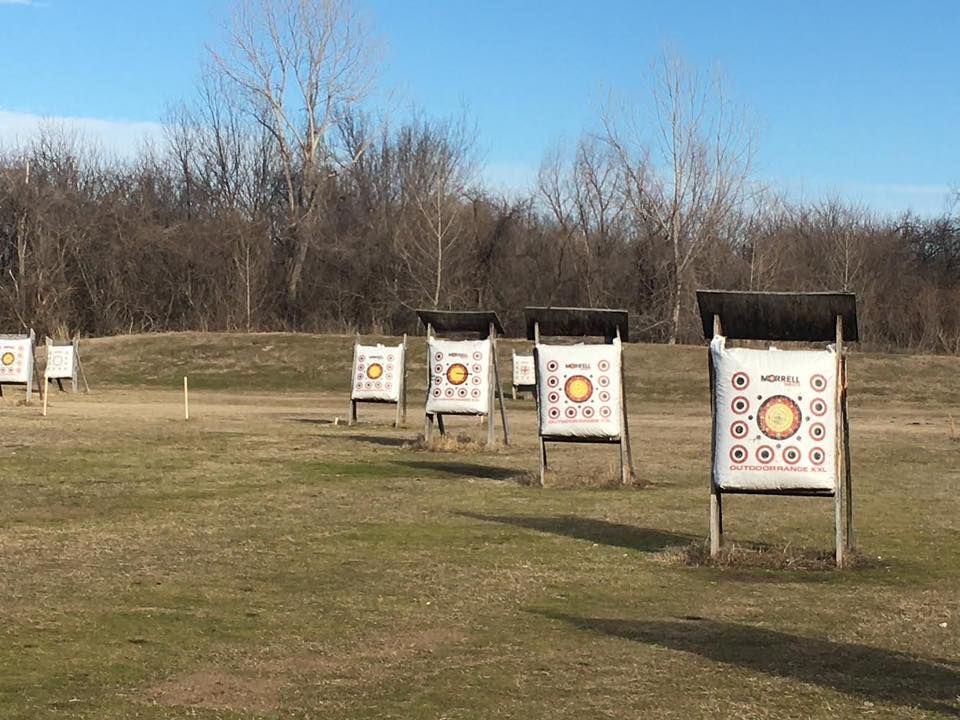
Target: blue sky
[{"x": 857, "y": 98}]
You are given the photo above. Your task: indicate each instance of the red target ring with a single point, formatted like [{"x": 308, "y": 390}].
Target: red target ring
[
  {"x": 817, "y": 456},
  {"x": 605, "y": 412},
  {"x": 818, "y": 431},
  {"x": 554, "y": 413},
  {"x": 738, "y": 454},
  {"x": 570, "y": 412},
  {"x": 740, "y": 405},
  {"x": 818, "y": 407},
  {"x": 603, "y": 365},
  {"x": 765, "y": 454},
  {"x": 740, "y": 381},
  {"x": 792, "y": 455},
  {"x": 818, "y": 383},
  {"x": 739, "y": 429},
  {"x": 779, "y": 417},
  {"x": 553, "y": 366}
]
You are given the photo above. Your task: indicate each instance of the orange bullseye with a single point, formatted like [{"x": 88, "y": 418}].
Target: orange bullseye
[
  {"x": 457, "y": 374},
  {"x": 8, "y": 358},
  {"x": 578, "y": 388},
  {"x": 375, "y": 371}
]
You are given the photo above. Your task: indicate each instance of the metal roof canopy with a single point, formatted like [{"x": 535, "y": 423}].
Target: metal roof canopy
[
  {"x": 800, "y": 317},
  {"x": 477, "y": 321},
  {"x": 577, "y": 321}
]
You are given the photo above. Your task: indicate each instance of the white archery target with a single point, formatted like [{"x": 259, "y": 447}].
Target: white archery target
[
  {"x": 524, "y": 370},
  {"x": 579, "y": 390},
  {"x": 377, "y": 372},
  {"x": 460, "y": 377},
  {"x": 776, "y": 419},
  {"x": 16, "y": 360},
  {"x": 61, "y": 362}
]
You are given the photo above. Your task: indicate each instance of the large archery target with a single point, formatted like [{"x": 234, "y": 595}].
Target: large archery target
[
  {"x": 579, "y": 390},
  {"x": 776, "y": 419},
  {"x": 16, "y": 360},
  {"x": 524, "y": 370},
  {"x": 460, "y": 377},
  {"x": 61, "y": 362},
  {"x": 377, "y": 372}
]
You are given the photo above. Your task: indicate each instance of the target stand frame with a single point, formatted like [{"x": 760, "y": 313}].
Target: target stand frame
[
  {"x": 401, "y": 416},
  {"x": 483, "y": 324},
  {"x": 34, "y": 375},
  {"x": 78, "y": 374},
  {"x": 794, "y": 317},
  {"x": 580, "y": 323},
  {"x": 522, "y": 387}
]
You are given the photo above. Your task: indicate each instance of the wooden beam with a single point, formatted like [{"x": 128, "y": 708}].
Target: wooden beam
[
  {"x": 716, "y": 528},
  {"x": 839, "y": 448}
]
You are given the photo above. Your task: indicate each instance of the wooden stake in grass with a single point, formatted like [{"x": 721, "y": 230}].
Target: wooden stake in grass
[
  {"x": 46, "y": 391},
  {"x": 186, "y": 399}
]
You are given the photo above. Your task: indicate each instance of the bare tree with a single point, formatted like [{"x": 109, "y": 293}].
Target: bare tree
[
  {"x": 688, "y": 171},
  {"x": 299, "y": 64}
]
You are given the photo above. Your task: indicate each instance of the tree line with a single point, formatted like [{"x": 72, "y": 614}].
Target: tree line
[{"x": 277, "y": 200}]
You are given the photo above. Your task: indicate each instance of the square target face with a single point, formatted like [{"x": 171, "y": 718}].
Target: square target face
[
  {"x": 579, "y": 392},
  {"x": 524, "y": 370},
  {"x": 377, "y": 373},
  {"x": 61, "y": 364},
  {"x": 460, "y": 377},
  {"x": 776, "y": 419},
  {"x": 16, "y": 360}
]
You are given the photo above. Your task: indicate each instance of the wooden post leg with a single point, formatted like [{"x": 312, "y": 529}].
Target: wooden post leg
[
  {"x": 543, "y": 460},
  {"x": 716, "y": 524},
  {"x": 440, "y": 427},
  {"x": 396, "y": 418},
  {"x": 428, "y": 428},
  {"x": 514, "y": 392},
  {"x": 623, "y": 465},
  {"x": 838, "y": 524},
  {"x": 352, "y": 413}
]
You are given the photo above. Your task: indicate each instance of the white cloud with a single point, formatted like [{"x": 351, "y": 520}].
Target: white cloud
[
  {"x": 121, "y": 138},
  {"x": 18, "y": 2}
]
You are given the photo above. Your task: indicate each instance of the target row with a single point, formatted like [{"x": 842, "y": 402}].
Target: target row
[
  {"x": 740, "y": 429},
  {"x": 573, "y": 412},
  {"x": 740, "y": 405},
  {"x": 765, "y": 454},
  {"x": 460, "y": 392}
]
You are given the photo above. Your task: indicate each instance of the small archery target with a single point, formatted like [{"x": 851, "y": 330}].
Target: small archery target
[
  {"x": 791, "y": 455},
  {"x": 476, "y": 367},
  {"x": 588, "y": 412},
  {"x": 462, "y": 392},
  {"x": 553, "y": 366},
  {"x": 437, "y": 392},
  {"x": 570, "y": 412},
  {"x": 765, "y": 454},
  {"x": 578, "y": 388},
  {"x": 475, "y": 393},
  {"x": 738, "y": 454},
  {"x": 554, "y": 413},
  {"x": 740, "y": 381},
  {"x": 818, "y": 431},
  {"x": 817, "y": 456},
  {"x": 779, "y": 417},
  {"x": 603, "y": 381},
  {"x": 554, "y": 397},
  {"x": 478, "y": 355},
  {"x": 603, "y": 366},
  {"x": 740, "y": 405},
  {"x": 818, "y": 382},
  {"x": 604, "y": 396},
  {"x": 449, "y": 392},
  {"x": 553, "y": 381},
  {"x": 739, "y": 429},
  {"x": 818, "y": 406},
  {"x": 605, "y": 411}
]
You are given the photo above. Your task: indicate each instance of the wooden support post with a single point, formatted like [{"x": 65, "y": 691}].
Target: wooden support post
[
  {"x": 74, "y": 370},
  {"x": 848, "y": 478},
  {"x": 839, "y": 492},
  {"x": 352, "y": 409},
  {"x": 186, "y": 399},
  {"x": 34, "y": 377},
  {"x": 543, "y": 460},
  {"x": 80, "y": 372},
  {"x": 628, "y": 472},
  {"x": 428, "y": 428},
  {"x": 513, "y": 367},
  {"x": 499, "y": 388},
  {"x": 440, "y": 427},
  {"x": 716, "y": 503},
  {"x": 403, "y": 380}
]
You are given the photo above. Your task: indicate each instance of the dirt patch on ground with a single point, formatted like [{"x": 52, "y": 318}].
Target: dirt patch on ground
[{"x": 219, "y": 690}]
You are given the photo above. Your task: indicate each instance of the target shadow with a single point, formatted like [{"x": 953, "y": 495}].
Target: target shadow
[
  {"x": 863, "y": 671},
  {"x": 382, "y": 440},
  {"x": 593, "y": 530},
  {"x": 486, "y": 472}
]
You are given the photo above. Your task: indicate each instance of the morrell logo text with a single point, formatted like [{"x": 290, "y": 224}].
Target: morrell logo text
[{"x": 785, "y": 379}]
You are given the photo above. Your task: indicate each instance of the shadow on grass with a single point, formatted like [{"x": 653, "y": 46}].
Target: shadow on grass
[
  {"x": 311, "y": 421},
  {"x": 599, "y": 531},
  {"x": 383, "y": 440},
  {"x": 460, "y": 468},
  {"x": 869, "y": 672}
]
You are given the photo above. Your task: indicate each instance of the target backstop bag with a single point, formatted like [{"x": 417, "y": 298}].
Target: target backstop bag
[
  {"x": 61, "y": 362},
  {"x": 16, "y": 360},
  {"x": 776, "y": 425},
  {"x": 377, "y": 372},
  {"x": 579, "y": 391},
  {"x": 460, "y": 377}
]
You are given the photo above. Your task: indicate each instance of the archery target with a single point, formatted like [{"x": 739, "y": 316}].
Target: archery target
[
  {"x": 377, "y": 372},
  {"x": 16, "y": 360},
  {"x": 579, "y": 390},
  {"x": 524, "y": 370},
  {"x": 460, "y": 376},
  {"x": 61, "y": 362},
  {"x": 776, "y": 418}
]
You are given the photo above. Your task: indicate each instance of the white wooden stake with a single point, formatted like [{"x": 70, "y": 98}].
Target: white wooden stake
[
  {"x": 186, "y": 399},
  {"x": 46, "y": 391}
]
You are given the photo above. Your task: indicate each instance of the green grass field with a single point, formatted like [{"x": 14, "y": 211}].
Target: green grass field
[{"x": 259, "y": 561}]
